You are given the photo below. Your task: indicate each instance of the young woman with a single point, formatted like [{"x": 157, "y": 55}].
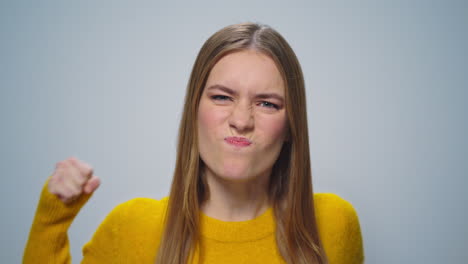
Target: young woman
[{"x": 242, "y": 186}]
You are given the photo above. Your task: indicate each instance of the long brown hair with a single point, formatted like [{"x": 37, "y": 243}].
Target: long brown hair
[{"x": 290, "y": 188}]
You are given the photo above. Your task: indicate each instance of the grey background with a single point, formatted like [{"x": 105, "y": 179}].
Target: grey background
[{"x": 104, "y": 81}]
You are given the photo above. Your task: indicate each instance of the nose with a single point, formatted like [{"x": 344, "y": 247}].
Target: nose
[{"x": 241, "y": 119}]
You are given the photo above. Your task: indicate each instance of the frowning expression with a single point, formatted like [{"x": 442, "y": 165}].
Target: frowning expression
[{"x": 242, "y": 122}]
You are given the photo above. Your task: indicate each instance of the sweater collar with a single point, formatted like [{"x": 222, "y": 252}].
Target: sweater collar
[{"x": 239, "y": 231}]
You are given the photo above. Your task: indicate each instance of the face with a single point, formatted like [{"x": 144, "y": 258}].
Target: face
[{"x": 242, "y": 122}]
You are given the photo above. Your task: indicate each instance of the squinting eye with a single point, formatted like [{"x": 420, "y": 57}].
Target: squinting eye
[
  {"x": 220, "y": 97},
  {"x": 269, "y": 105}
]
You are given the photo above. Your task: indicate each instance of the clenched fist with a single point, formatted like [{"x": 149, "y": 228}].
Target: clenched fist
[{"x": 71, "y": 179}]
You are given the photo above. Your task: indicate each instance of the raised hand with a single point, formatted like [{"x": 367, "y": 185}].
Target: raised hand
[{"x": 71, "y": 179}]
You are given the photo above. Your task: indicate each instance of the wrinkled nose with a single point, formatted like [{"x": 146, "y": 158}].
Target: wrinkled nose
[{"x": 241, "y": 119}]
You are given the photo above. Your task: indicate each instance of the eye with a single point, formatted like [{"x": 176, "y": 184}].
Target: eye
[
  {"x": 220, "y": 97},
  {"x": 269, "y": 105}
]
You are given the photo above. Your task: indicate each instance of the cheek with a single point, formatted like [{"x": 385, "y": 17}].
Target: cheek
[
  {"x": 208, "y": 121},
  {"x": 274, "y": 129}
]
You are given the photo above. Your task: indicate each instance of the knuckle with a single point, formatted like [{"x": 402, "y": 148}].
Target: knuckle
[
  {"x": 62, "y": 194},
  {"x": 83, "y": 167},
  {"x": 66, "y": 196},
  {"x": 70, "y": 195},
  {"x": 55, "y": 180},
  {"x": 59, "y": 164},
  {"x": 76, "y": 191},
  {"x": 88, "y": 169},
  {"x": 63, "y": 164},
  {"x": 81, "y": 180}
]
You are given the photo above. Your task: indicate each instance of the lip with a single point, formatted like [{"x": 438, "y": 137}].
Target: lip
[{"x": 238, "y": 141}]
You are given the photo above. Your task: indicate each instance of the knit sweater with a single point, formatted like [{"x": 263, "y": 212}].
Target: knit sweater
[{"x": 131, "y": 234}]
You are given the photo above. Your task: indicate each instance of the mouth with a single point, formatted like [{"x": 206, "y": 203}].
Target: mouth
[{"x": 238, "y": 141}]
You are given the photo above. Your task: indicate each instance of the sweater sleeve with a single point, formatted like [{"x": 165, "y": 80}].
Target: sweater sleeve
[
  {"x": 48, "y": 239},
  {"x": 340, "y": 232}
]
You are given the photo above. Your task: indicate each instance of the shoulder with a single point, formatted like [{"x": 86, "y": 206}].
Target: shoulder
[
  {"x": 143, "y": 204},
  {"x": 339, "y": 229},
  {"x": 333, "y": 204},
  {"x": 334, "y": 214},
  {"x": 138, "y": 221},
  {"x": 137, "y": 211}
]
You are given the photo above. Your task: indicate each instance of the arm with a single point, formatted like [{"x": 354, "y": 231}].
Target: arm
[
  {"x": 339, "y": 230},
  {"x": 62, "y": 197},
  {"x": 350, "y": 243},
  {"x": 48, "y": 239}
]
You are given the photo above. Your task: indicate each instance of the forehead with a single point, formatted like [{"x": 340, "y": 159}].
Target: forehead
[{"x": 248, "y": 70}]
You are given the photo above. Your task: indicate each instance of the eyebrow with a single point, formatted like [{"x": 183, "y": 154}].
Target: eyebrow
[{"x": 258, "y": 96}]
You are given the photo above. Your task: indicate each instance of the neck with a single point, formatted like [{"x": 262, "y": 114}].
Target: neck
[{"x": 236, "y": 201}]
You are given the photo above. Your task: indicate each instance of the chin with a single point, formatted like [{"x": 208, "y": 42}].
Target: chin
[{"x": 236, "y": 173}]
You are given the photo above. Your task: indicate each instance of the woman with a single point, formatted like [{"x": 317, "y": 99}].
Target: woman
[{"x": 241, "y": 191}]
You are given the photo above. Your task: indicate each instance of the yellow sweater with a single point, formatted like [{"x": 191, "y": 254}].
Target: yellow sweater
[{"x": 131, "y": 234}]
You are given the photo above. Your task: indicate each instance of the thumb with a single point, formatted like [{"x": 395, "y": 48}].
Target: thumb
[{"x": 91, "y": 185}]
